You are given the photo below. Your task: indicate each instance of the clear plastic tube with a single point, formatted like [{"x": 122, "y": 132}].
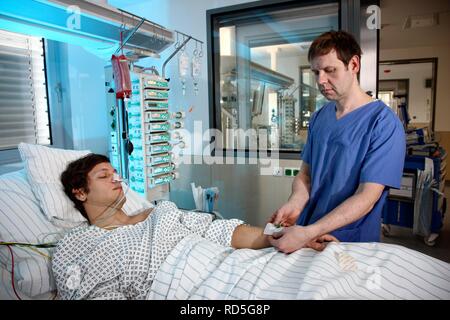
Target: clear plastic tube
[{"x": 111, "y": 209}]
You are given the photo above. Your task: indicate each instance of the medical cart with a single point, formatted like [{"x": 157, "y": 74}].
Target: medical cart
[{"x": 401, "y": 204}]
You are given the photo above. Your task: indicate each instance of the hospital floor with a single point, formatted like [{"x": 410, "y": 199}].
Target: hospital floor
[{"x": 405, "y": 237}]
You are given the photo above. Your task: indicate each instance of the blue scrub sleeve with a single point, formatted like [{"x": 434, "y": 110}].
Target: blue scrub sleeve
[{"x": 385, "y": 158}]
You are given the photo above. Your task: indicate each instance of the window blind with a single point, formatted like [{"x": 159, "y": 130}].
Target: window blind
[{"x": 23, "y": 95}]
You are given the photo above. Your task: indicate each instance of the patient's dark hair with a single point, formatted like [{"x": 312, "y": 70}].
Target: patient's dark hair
[{"x": 76, "y": 177}]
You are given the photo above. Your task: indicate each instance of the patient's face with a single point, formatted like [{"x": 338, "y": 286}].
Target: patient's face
[{"x": 103, "y": 190}]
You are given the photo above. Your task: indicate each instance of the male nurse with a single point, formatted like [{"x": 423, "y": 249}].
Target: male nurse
[{"x": 354, "y": 153}]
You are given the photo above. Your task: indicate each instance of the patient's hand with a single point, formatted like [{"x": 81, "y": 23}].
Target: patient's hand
[{"x": 321, "y": 242}]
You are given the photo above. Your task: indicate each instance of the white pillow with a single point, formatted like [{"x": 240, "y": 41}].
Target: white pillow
[
  {"x": 21, "y": 220},
  {"x": 44, "y": 166}
]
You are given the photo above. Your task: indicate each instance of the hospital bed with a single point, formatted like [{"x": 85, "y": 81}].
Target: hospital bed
[{"x": 341, "y": 271}]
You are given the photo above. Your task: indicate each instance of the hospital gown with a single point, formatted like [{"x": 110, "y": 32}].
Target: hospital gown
[{"x": 94, "y": 263}]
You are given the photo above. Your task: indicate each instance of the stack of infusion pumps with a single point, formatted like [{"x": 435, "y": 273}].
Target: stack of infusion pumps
[{"x": 150, "y": 125}]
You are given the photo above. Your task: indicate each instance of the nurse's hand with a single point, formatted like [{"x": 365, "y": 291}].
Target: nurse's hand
[
  {"x": 286, "y": 216},
  {"x": 292, "y": 238}
]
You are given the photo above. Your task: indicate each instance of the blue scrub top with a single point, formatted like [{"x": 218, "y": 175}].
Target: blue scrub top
[{"x": 365, "y": 145}]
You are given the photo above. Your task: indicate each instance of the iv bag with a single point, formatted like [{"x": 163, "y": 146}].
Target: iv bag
[
  {"x": 121, "y": 76},
  {"x": 183, "y": 64},
  {"x": 183, "y": 69},
  {"x": 196, "y": 67}
]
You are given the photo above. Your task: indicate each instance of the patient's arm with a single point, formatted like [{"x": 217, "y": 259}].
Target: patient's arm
[{"x": 246, "y": 236}]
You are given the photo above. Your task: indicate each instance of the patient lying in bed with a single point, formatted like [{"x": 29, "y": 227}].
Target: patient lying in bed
[
  {"x": 95, "y": 262},
  {"x": 117, "y": 256},
  {"x": 166, "y": 253}
]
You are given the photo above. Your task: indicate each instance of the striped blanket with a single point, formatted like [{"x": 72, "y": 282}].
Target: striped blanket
[{"x": 201, "y": 269}]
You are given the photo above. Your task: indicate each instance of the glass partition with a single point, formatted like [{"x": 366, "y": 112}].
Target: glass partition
[
  {"x": 310, "y": 97},
  {"x": 264, "y": 88}
]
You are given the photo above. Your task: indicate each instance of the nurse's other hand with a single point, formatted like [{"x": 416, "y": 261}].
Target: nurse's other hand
[
  {"x": 287, "y": 215},
  {"x": 291, "y": 238},
  {"x": 321, "y": 242}
]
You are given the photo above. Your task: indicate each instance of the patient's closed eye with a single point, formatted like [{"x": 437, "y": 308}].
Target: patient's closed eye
[{"x": 104, "y": 174}]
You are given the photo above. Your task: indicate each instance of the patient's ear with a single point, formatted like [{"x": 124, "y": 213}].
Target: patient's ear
[{"x": 80, "y": 194}]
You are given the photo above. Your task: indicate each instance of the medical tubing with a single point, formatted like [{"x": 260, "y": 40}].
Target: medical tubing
[
  {"x": 36, "y": 245},
  {"x": 112, "y": 209},
  {"x": 12, "y": 273}
]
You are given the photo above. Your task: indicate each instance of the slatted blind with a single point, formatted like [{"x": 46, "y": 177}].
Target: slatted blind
[{"x": 23, "y": 95}]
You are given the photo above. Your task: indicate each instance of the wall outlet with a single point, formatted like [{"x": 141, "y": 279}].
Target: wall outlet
[
  {"x": 278, "y": 171},
  {"x": 291, "y": 172}
]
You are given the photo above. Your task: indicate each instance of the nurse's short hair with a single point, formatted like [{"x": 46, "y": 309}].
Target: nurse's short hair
[
  {"x": 343, "y": 42},
  {"x": 76, "y": 177}
]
